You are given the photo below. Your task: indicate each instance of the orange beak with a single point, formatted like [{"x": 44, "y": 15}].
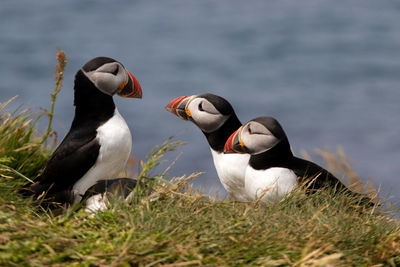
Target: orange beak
[
  {"x": 178, "y": 107},
  {"x": 131, "y": 88},
  {"x": 234, "y": 144}
]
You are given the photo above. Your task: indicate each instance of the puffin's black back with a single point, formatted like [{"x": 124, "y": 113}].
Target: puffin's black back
[{"x": 305, "y": 170}]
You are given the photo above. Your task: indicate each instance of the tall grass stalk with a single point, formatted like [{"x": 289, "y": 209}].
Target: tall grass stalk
[{"x": 58, "y": 77}]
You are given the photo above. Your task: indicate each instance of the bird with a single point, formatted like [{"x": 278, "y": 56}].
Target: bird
[
  {"x": 96, "y": 198},
  {"x": 273, "y": 170},
  {"x": 99, "y": 142},
  {"x": 215, "y": 117}
]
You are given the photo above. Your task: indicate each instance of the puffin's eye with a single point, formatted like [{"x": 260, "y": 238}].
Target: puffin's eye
[
  {"x": 201, "y": 106},
  {"x": 115, "y": 71},
  {"x": 249, "y": 130}
]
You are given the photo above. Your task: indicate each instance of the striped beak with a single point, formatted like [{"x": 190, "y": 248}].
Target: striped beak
[
  {"x": 130, "y": 88},
  {"x": 178, "y": 107},
  {"x": 234, "y": 144}
]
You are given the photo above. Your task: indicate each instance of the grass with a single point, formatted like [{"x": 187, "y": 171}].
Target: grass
[
  {"x": 21, "y": 152},
  {"x": 182, "y": 227}
]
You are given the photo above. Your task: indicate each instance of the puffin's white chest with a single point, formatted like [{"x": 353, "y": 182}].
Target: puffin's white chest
[
  {"x": 231, "y": 170},
  {"x": 271, "y": 184},
  {"x": 115, "y": 142}
]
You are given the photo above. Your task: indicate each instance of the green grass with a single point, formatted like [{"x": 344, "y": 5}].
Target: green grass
[
  {"x": 21, "y": 151},
  {"x": 183, "y": 227},
  {"x": 188, "y": 228}
]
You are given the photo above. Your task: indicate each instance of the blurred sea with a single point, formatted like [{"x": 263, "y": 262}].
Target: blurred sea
[{"x": 329, "y": 71}]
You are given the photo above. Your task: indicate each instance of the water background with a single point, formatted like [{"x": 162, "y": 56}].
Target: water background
[{"x": 329, "y": 71}]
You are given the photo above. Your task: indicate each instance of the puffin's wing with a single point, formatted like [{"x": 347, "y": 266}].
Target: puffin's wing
[
  {"x": 305, "y": 169},
  {"x": 71, "y": 160},
  {"x": 325, "y": 178}
]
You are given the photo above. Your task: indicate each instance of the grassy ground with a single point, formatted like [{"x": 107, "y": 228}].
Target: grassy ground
[{"x": 183, "y": 227}]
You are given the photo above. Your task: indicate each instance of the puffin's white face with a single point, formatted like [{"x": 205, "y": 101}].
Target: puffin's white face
[
  {"x": 109, "y": 78},
  {"x": 252, "y": 138},
  {"x": 203, "y": 113},
  {"x": 256, "y": 138}
]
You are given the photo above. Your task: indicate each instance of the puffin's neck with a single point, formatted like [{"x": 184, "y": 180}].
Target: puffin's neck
[
  {"x": 277, "y": 156},
  {"x": 90, "y": 103},
  {"x": 217, "y": 139}
]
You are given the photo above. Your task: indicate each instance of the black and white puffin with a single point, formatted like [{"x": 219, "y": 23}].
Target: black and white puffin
[
  {"x": 98, "y": 143},
  {"x": 273, "y": 170},
  {"x": 217, "y": 120},
  {"x": 96, "y": 198}
]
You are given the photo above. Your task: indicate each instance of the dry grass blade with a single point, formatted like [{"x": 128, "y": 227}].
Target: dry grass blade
[
  {"x": 58, "y": 77},
  {"x": 3, "y": 105}
]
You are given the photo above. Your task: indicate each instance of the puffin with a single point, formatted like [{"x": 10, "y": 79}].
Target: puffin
[
  {"x": 273, "y": 170},
  {"x": 99, "y": 142},
  {"x": 215, "y": 117},
  {"x": 96, "y": 198}
]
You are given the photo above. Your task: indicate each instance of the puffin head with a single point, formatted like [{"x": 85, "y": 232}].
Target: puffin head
[
  {"x": 111, "y": 77},
  {"x": 209, "y": 112},
  {"x": 257, "y": 136}
]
